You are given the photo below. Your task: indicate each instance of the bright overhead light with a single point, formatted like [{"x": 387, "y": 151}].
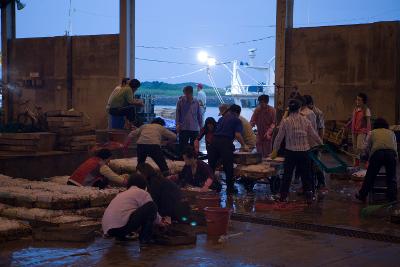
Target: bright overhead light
[
  {"x": 202, "y": 56},
  {"x": 211, "y": 61}
]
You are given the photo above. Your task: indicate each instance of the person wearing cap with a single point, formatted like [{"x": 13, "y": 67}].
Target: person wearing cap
[
  {"x": 249, "y": 137},
  {"x": 96, "y": 173},
  {"x": 264, "y": 118},
  {"x": 202, "y": 98},
  {"x": 229, "y": 128},
  {"x": 122, "y": 100},
  {"x": 297, "y": 131},
  {"x": 189, "y": 119}
]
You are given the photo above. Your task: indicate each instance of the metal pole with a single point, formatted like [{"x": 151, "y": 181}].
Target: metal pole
[{"x": 127, "y": 39}]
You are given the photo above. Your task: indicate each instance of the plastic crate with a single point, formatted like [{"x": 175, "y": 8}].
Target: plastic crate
[{"x": 339, "y": 165}]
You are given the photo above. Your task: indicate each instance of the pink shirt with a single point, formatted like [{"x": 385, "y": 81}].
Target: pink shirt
[
  {"x": 263, "y": 118},
  {"x": 121, "y": 207},
  {"x": 359, "y": 121}
]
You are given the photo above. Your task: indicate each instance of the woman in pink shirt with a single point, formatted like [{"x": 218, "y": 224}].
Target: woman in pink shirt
[
  {"x": 360, "y": 124},
  {"x": 264, "y": 118}
]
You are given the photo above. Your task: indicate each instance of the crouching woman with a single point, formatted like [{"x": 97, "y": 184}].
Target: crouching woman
[
  {"x": 95, "y": 172},
  {"x": 130, "y": 211},
  {"x": 197, "y": 173}
]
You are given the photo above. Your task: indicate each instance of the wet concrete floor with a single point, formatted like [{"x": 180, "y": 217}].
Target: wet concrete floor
[
  {"x": 336, "y": 207},
  {"x": 259, "y": 245}
]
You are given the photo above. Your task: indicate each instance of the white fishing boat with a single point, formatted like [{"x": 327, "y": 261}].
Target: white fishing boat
[{"x": 246, "y": 95}]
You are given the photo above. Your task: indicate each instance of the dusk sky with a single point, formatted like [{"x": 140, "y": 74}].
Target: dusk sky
[{"x": 186, "y": 24}]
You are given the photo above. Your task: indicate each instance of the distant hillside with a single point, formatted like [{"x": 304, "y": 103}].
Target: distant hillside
[{"x": 168, "y": 89}]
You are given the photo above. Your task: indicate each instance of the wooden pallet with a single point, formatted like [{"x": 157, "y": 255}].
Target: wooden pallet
[
  {"x": 66, "y": 124},
  {"x": 64, "y": 113},
  {"x": 82, "y": 130},
  {"x": 27, "y": 142}
]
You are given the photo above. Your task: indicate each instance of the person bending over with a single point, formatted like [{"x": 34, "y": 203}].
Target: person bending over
[
  {"x": 95, "y": 172},
  {"x": 149, "y": 141},
  {"x": 381, "y": 148},
  {"x": 249, "y": 137},
  {"x": 165, "y": 193},
  {"x": 132, "y": 210},
  {"x": 197, "y": 173},
  {"x": 229, "y": 128}
]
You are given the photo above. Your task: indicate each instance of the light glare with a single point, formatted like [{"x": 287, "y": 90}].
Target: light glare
[{"x": 202, "y": 56}]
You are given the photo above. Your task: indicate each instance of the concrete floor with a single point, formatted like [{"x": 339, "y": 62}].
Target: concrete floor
[
  {"x": 335, "y": 208},
  {"x": 258, "y": 246}
]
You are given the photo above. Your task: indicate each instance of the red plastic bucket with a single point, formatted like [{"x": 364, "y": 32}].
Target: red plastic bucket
[
  {"x": 217, "y": 220},
  {"x": 208, "y": 201}
]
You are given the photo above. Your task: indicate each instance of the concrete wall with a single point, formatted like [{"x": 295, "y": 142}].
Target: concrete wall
[
  {"x": 334, "y": 64},
  {"x": 48, "y": 57},
  {"x": 94, "y": 73}
]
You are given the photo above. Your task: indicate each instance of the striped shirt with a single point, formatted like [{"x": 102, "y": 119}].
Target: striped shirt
[{"x": 297, "y": 130}]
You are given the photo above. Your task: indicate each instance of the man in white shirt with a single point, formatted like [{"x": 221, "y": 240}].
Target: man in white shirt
[
  {"x": 131, "y": 210},
  {"x": 202, "y": 98},
  {"x": 149, "y": 141}
]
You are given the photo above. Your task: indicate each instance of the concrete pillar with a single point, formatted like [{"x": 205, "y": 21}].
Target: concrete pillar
[
  {"x": 7, "y": 35},
  {"x": 284, "y": 21},
  {"x": 397, "y": 116},
  {"x": 70, "y": 103},
  {"x": 127, "y": 39}
]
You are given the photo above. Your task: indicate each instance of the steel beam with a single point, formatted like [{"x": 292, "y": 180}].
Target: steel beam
[{"x": 127, "y": 39}]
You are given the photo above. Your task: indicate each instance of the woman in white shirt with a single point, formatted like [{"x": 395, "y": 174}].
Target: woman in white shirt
[{"x": 130, "y": 211}]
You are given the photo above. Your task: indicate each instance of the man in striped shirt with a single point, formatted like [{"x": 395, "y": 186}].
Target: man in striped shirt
[{"x": 297, "y": 131}]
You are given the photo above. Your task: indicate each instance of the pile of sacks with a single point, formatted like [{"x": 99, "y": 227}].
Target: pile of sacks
[
  {"x": 43, "y": 207},
  {"x": 128, "y": 165}
]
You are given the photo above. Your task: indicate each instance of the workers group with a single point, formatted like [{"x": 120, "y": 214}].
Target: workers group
[{"x": 294, "y": 137}]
